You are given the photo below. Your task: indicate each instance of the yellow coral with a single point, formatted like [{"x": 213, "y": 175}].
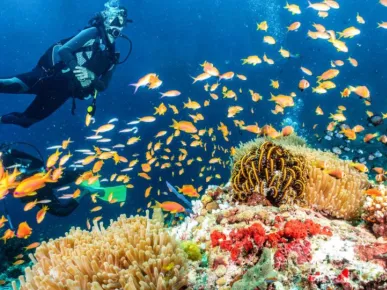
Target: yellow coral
[
  {"x": 271, "y": 171},
  {"x": 257, "y": 169},
  {"x": 132, "y": 254},
  {"x": 192, "y": 250}
]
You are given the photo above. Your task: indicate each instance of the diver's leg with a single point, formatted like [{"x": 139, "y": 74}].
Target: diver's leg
[
  {"x": 42, "y": 106},
  {"x": 25, "y": 83},
  {"x": 13, "y": 86}
]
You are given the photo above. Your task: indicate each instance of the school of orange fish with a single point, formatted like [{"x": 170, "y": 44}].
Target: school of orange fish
[{"x": 158, "y": 155}]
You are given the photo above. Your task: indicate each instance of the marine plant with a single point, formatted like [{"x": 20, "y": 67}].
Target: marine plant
[{"x": 131, "y": 254}]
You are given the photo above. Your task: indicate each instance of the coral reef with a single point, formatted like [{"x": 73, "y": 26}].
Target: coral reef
[
  {"x": 132, "y": 253},
  {"x": 286, "y": 171},
  {"x": 375, "y": 212},
  {"x": 309, "y": 250}
]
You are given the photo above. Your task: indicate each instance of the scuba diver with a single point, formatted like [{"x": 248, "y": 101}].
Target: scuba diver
[
  {"x": 77, "y": 67},
  {"x": 29, "y": 165}
]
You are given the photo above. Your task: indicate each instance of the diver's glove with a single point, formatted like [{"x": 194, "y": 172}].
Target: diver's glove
[{"x": 83, "y": 74}]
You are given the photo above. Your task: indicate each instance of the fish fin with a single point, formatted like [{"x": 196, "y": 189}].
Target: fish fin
[{"x": 136, "y": 87}]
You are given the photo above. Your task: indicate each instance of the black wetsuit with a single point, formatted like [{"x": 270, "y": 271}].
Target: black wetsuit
[
  {"x": 31, "y": 165},
  {"x": 53, "y": 81}
]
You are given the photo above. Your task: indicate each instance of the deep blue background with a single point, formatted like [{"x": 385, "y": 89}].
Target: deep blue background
[{"x": 172, "y": 38}]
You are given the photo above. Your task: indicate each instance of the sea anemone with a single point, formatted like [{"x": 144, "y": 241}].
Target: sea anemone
[{"x": 132, "y": 253}]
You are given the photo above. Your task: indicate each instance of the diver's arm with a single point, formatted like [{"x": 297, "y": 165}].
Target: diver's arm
[
  {"x": 66, "y": 52},
  {"x": 101, "y": 84}
]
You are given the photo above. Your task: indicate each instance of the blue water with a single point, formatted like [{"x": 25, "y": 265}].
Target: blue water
[{"x": 171, "y": 38}]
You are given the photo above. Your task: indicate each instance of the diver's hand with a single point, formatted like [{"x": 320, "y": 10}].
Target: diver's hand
[
  {"x": 85, "y": 83},
  {"x": 83, "y": 74}
]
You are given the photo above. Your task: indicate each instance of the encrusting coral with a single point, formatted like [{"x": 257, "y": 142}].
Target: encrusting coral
[
  {"x": 131, "y": 254},
  {"x": 286, "y": 171},
  {"x": 375, "y": 212}
]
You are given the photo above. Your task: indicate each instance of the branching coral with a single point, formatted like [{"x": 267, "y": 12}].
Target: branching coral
[
  {"x": 285, "y": 171},
  {"x": 132, "y": 254}
]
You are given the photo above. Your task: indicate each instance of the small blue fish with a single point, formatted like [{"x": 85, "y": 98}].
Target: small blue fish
[{"x": 180, "y": 196}]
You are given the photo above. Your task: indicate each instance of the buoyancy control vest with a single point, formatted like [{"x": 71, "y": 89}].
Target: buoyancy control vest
[{"x": 101, "y": 59}]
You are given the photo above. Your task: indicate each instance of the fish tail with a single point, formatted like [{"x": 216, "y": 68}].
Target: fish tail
[
  {"x": 272, "y": 97},
  {"x": 195, "y": 80},
  {"x": 340, "y": 34},
  {"x": 136, "y": 87},
  {"x": 310, "y": 4},
  {"x": 162, "y": 95}
]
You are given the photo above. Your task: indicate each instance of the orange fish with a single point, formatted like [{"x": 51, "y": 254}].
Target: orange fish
[
  {"x": 227, "y": 76},
  {"x": 378, "y": 170},
  {"x": 304, "y": 84},
  {"x": 30, "y": 205},
  {"x": 148, "y": 191},
  {"x": 184, "y": 126},
  {"x": 306, "y": 71},
  {"x": 349, "y": 133},
  {"x": 359, "y": 166},
  {"x": 282, "y": 100},
  {"x": 189, "y": 191},
  {"x": 294, "y": 26},
  {"x": 23, "y": 231},
  {"x": 361, "y": 91},
  {"x": 201, "y": 77},
  {"x": 95, "y": 209},
  {"x": 41, "y": 214},
  {"x": 345, "y": 93},
  {"x": 329, "y": 74},
  {"x": 336, "y": 173},
  {"x": 373, "y": 192},
  {"x": 369, "y": 137},
  {"x": 53, "y": 159},
  {"x": 252, "y": 128},
  {"x": 32, "y": 246},
  {"x": 383, "y": 139},
  {"x": 18, "y": 262},
  {"x": 358, "y": 129},
  {"x": 147, "y": 119},
  {"x": 319, "y": 111},
  {"x": 288, "y": 130},
  {"x": 30, "y": 185},
  {"x": 170, "y": 206},
  {"x": 144, "y": 81},
  {"x": 3, "y": 220},
  {"x": 210, "y": 69},
  {"x": 380, "y": 178},
  {"x": 8, "y": 234},
  {"x": 170, "y": 94}
]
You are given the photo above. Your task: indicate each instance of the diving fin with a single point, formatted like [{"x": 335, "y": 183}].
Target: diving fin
[{"x": 104, "y": 193}]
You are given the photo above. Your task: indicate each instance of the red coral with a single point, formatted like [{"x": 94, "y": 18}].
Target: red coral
[
  {"x": 295, "y": 229},
  {"x": 326, "y": 231},
  {"x": 290, "y": 239},
  {"x": 215, "y": 237},
  {"x": 302, "y": 249},
  {"x": 313, "y": 228}
]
